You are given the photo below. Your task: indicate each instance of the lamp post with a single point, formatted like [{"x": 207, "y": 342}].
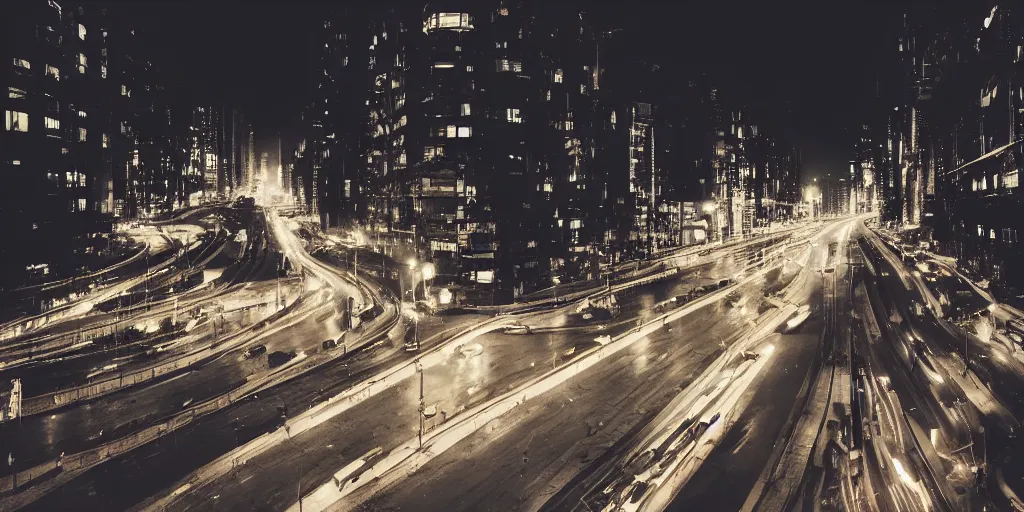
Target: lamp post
[
  {"x": 416, "y": 317},
  {"x": 428, "y": 273}
]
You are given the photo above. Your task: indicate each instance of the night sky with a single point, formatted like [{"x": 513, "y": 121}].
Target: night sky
[{"x": 806, "y": 70}]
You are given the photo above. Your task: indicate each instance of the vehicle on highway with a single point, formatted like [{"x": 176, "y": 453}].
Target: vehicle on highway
[
  {"x": 255, "y": 351},
  {"x": 518, "y": 328},
  {"x": 603, "y": 339},
  {"x": 329, "y": 344},
  {"x": 371, "y": 313},
  {"x": 751, "y": 356}
]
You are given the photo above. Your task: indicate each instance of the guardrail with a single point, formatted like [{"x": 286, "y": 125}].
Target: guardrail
[
  {"x": 69, "y": 466},
  {"x": 57, "y": 399},
  {"x": 15, "y": 328}
]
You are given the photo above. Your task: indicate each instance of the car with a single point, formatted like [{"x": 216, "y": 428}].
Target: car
[
  {"x": 255, "y": 351},
  {"x": 329, "y": 344}
]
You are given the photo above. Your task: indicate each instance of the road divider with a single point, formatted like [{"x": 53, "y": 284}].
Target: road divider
[{"x": 409, "y": 457}]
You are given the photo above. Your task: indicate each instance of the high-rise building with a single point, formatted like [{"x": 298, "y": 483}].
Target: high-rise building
[
  {"x": 93, "y": 132},
  {"x": 512, "y": 145}
]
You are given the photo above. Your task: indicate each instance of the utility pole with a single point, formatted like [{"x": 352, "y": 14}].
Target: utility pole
[
  {"x": 422, "y": 407},
  {"x": 146, "y": 297}
]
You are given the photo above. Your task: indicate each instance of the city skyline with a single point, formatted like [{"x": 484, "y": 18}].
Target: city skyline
[{"x": 511, "y": 255}]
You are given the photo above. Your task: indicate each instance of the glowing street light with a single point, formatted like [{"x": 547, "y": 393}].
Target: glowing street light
[{"x": 428, "y": 273}]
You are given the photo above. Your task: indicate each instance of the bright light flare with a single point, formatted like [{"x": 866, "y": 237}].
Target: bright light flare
[{"x": 428, "y": 271}]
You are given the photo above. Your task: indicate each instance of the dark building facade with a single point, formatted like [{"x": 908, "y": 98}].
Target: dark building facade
[
  {"x": 514, "y": 145},
  {"x": 93, "y": 133},
  {"x": 953, "y": 148}
]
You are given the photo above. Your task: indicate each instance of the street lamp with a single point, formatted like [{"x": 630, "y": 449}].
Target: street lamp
[
  {"x": 428, "y": 273},
  {"x": 411, "y": 262}
]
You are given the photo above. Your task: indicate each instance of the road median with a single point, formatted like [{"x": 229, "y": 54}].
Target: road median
[{"x": 409, "y": 457}]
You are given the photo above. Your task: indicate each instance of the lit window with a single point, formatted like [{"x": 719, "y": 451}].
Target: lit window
[
  {"x": 981, "y": 230},
  {"x": 81, "y": 134},
  {"x": 501, "y": 65},
  {"x": 465, "y": 131},
  {"x": 81, "y": 204},
  {"x": 82, "y": 114},
  {"x": 15, "y": 162},
  {"x": 106, "y": 140},
  {"x": 15, "y": 94},
  {"x": 16, "y": 121},
  {"x": 449, "y": 20},
  {"x": 517, "y": 67},
  {"x": 22, "y": 63},
  {"x": 458, "y": 48},
  {"x": 51, "y": 123},
  {"x": 992, "y": 234},
  {"x": 465, "y": 109},
  {"x": 103, "y": 70},
  {"x": 513, "y": 116},
  {"x": 1010, "y": 180},
  {"x": 124, "y": 90},
  {"x": 53, "y": 71},
  {"x": 81, "y": 180},
  {"x": 451, "y": 131},
  {"x": 81, "y": 32},
  {"x": 558, "y": 76},
  {"x": 469, "y": 69}
]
